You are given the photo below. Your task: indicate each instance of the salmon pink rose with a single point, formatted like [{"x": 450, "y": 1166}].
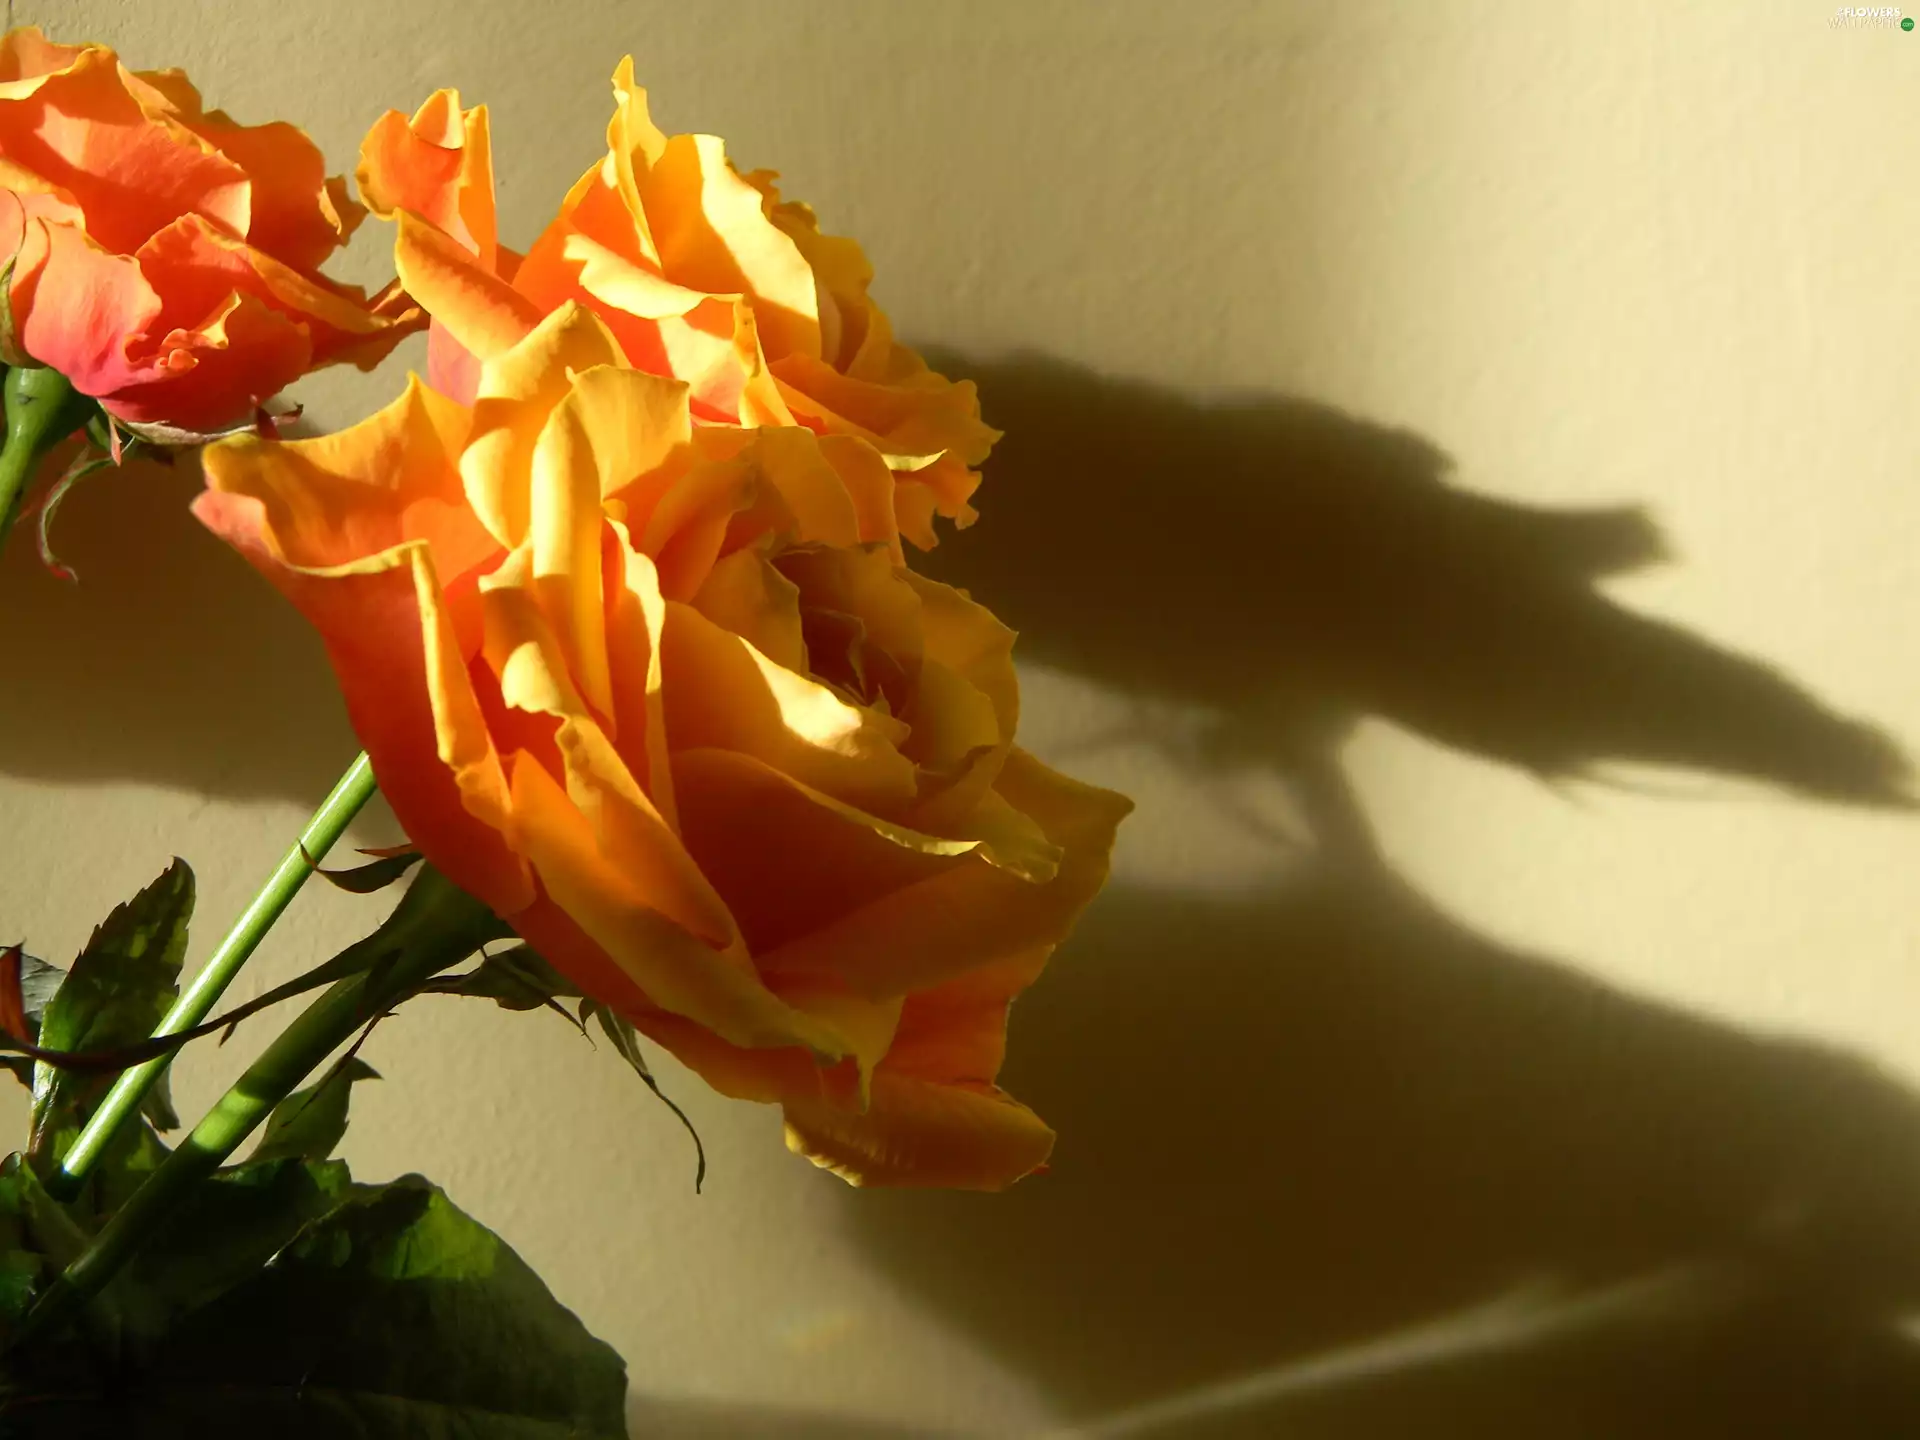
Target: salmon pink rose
[
  {"x": 701, "y": 273},
  {"x": 162, "y": 256},
  {"x": 666, "y": 697}
]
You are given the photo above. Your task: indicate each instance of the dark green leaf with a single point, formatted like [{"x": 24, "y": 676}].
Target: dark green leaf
[
  {"x": 37, "y": 1237},
  {"x": 133, "y": 1153},
  {"x": 395, "y": 1317},
  {"x": 222, "y": 1234},
  {"x": 23, "y": 1272},
  {"x": 230, "y": 1227},
  {"x": 37, "y": 1240},
  {"x": 157, "y": 1104},
  {"x": 515, "y": 979},
  {"x": 283, "y": 1301},
  {"x": 365, "y": 879},
  {"x": 309, "y": 1123},
  {"x": 226, "y": 1231},
  {"x": 38, "y": 981},
  {"x": 114, "y": 996}
]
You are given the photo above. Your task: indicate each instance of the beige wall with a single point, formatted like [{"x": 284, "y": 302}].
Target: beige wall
[{"x": 1374, "y": 1027}]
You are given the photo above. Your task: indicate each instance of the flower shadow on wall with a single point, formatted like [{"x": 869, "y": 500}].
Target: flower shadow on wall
[
  {"x": 1301, "y": 1126},
  {"x": 1294, "y": 1122}
]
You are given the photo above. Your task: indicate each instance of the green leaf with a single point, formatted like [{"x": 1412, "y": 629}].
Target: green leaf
[
  {"x": 226, "y": 1232},
  {"x": 310, "y": 1122},
  {"x": 223, "y": 1233},
  {"x": 133, "y": 1153},
  {"x": 37, "y": 1237},
  {"x": 375, "y": 875},
  {"x": 395, "y": 1317},
  {"x": 282, "y": 1300},
  {"x": 114, "y": 996}
]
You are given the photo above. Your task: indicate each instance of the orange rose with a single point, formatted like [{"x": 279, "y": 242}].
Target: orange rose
[
  {"x": 701, "y": 273},
  {"x": 163, "y": 258},
  {"x": 667, "y": 699}
]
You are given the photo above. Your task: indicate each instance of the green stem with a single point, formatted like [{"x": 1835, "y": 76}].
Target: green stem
[
  {"x": 197, "y": 1001},
  {"x": 436, "y": 925},
  {"x": 42, "y": 409}
]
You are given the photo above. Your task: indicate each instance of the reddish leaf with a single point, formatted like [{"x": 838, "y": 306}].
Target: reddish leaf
[{"x": 13, "y": 1003}]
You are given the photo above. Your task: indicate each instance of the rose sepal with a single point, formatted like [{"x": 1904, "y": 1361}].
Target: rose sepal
[{"x": 42, "y": 409}]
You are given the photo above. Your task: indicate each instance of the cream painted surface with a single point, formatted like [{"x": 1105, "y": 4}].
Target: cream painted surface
[{"x": 1598, "y": 253}]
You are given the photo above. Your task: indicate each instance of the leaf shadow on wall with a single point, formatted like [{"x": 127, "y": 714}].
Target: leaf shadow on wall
[
  {"x": 169, "y": 662},
  {"x": 1313, "y": 1133}
]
